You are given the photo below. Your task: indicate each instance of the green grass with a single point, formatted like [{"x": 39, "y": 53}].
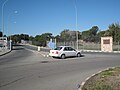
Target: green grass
[
  {"x": 99, "y": 87},
  {"x": 109, "y": 72},
  {"x": 106, "y": 80}
]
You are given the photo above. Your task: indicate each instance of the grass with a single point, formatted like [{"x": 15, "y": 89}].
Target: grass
[{"x": 106, "y": 80}]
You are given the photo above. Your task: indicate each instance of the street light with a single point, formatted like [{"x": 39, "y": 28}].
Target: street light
[
  {"x": 15, "y": 12},
  {"x": 8, "y": 19},
  {"x": 76, "y": 25},
  {"x": 3, "y": 16}
]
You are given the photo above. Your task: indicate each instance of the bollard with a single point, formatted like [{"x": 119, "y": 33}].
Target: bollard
[{"x": 38, "y": 48}]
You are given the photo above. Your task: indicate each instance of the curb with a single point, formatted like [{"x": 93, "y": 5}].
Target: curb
[
  {"x": 44, "y": 55},
  {"x": 83, "y": 83},
  {"x": 99, "y": 51},
  {"x": 92, "y": 51},
  {"x": 5, "y": 53}
]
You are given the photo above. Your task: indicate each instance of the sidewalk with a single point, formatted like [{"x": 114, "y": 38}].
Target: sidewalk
[{"x": 5, "y": 51}]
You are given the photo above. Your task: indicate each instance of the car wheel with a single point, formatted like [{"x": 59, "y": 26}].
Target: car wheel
[
  {"x": 78, "y": 55},
  {"x": 63, "y": 56}
]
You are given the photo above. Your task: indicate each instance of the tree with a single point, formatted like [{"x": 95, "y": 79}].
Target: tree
[
  {"x": 18, "y": 37},
  {"x": 31, "y": 38},
  {"x": 24, "y": 37},
  {"x": 91, "y": 34},
  {"x": 94, "y": 30},
  {"x": 85, "y": 35},
  {"x": 101, "y": 34},
  {"x": 67, "y": 35},
  {"x": 64, "y": 35},
  {"x": 113, "y": 31},
  {"x": 58, "y": 38},
  {"x": 42, "y": 39}
]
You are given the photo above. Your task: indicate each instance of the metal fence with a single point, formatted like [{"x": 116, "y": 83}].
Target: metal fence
[
  {"x": 87, "y": 45},
  {"x": 116, "y": 46}
]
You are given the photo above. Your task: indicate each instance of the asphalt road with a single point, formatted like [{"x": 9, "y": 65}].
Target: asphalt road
[
  {"x": 35, "y": 48},
  {"x": 24, "y": 69}
]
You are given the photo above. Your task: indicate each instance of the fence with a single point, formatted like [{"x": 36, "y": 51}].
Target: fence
[
  {"x": 116, "y": 46},
  {"x": 87, "y": 45}
]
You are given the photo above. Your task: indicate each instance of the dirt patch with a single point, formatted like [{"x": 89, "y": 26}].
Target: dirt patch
[{"x": 106, "y": 80}]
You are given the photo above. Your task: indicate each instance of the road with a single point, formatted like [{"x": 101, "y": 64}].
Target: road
[{"x": 24, "y": 69}]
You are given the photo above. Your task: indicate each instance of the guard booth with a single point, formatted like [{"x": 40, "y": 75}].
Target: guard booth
[
  {"x": 3, "y": 42},
  {"x": 106, "y": 44}
]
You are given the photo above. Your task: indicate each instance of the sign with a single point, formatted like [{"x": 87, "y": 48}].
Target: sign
[
  {"x": 106, "y": 41},
  {"x": 51, "y": 45}
]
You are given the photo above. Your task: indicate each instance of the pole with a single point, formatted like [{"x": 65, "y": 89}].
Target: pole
[
  {"x": 3, "y": 17},
  {"x": 15, "y": 12},
  {"x": 76, "y": 26}
]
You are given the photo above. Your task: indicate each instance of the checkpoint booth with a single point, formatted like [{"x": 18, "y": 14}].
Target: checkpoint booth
[
  {"x": 106, "y": 44},
  {"x": 3, "y": 42}
]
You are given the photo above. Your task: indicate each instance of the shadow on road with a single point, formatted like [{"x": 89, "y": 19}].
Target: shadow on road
[
  {"x": 17, "y": 47},
  {"x": 70, "y": 57},
  {"x": 82, "y": 56},
  {"x": 44, "y": 62}
]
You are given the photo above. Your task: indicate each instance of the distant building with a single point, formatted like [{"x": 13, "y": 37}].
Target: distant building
[{"x": 26, "y": 42}]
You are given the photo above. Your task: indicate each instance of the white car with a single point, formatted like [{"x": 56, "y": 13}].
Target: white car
[{"x": 64, "y": 51}]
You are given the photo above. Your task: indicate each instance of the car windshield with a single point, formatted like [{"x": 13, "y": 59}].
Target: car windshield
[{"x": 58, "y": 48}]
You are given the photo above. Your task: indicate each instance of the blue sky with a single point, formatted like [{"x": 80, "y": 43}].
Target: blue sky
[{"x": 35, "y": 17}]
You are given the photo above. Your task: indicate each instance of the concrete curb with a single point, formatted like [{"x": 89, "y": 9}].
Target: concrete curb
[
  {"x": 92, "y": 51},
  {"x": 83, "y": 83},
  {"x": 5, "y": 53},
  {"x": 44, "y": 54},
  {"x": 99, "y": 51}
]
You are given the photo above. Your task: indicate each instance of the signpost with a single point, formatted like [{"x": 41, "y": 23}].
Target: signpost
[{"x": 51, "y": 44}]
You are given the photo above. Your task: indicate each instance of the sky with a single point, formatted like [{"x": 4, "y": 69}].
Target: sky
[{"x": 35, "y": 17}]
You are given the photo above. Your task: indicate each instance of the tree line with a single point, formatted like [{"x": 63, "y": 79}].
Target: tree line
[{"x": 92, "y": 35}]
